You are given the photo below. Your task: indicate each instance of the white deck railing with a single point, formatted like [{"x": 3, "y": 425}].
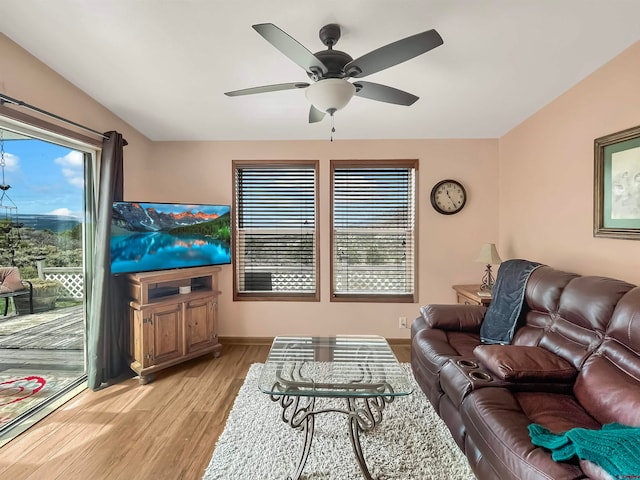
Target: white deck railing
[{"x": 71, "y": 278}]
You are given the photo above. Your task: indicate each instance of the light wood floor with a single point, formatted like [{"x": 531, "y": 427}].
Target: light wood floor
[{"x": 164, "y": 430}]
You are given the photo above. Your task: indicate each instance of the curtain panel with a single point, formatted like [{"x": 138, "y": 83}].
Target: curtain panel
[{"x": 107, "y": 335}]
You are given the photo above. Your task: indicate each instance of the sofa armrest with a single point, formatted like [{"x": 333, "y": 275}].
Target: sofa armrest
[
  {"x": 523, "y": 363},
  {"x": 463, "y": 318},
  {"x": 459, "y": 377}
]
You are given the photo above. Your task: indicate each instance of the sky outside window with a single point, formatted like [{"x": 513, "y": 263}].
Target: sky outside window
[{"x": 45, "y": 178}]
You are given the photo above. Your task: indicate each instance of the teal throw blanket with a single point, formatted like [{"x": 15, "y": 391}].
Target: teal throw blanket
[{"x": 615, "y": 448}]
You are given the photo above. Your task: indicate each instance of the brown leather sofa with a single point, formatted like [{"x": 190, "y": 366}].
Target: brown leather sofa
[{"x": 574, "y": 362}]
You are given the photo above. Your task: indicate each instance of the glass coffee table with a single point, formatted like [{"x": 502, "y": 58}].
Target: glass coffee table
[{"x": 362, "y": 370}]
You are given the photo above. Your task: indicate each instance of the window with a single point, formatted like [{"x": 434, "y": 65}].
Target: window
[
  {"x": 373, "y": 229},
  {"x": 275, "y": 230}
]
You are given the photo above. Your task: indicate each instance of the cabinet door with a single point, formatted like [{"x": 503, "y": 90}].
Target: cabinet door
[
  {"x": 163, "y": 329},
  {"x": 200, "y": 316}
]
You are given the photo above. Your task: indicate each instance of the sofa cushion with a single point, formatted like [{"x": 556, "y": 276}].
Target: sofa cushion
[
  {"x": 460, "y": 318},
  {"x": 524, "y": 363},
  {"x": 497, "y": 424},
  {"x": 608, "y": 385},
  {"x": 555, "y": 411},
  {"x": 624, "y": 326},
  {"x": 568, "y": 314},
  {"x": 590, "y": 301},
  {"x": 10, "y": 280},
  {"x": 544, "y": 289}
]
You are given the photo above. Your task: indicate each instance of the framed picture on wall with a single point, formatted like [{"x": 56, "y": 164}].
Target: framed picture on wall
[{"x": 617, "y": 185}]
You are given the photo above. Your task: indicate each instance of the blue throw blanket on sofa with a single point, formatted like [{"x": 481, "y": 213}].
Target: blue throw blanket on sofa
[{"x": 501, "y": 319}]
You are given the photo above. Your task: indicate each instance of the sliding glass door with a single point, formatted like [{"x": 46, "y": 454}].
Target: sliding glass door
[{"x": 43, "y": 221}]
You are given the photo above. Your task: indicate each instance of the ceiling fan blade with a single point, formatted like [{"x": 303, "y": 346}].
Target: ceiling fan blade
[
  {"x": 383, "y": 93},
  {"x": 267, "y": 88},
  {"x": 315, "y": 115},
  {"x": 393, "y": 54},
  {"x": 290, "y": 47}
]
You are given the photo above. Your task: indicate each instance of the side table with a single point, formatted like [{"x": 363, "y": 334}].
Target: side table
[{"x": 468, "y": 295}]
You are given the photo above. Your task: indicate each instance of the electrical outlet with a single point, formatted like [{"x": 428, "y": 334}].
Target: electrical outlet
[{"x": 402, "y": 322}]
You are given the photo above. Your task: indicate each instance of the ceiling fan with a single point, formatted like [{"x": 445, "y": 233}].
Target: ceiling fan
[{"x": 330, "y": 69}]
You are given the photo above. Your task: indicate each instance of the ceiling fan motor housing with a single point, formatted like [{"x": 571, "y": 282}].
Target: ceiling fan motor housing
[{"x": 335, "y": 60}]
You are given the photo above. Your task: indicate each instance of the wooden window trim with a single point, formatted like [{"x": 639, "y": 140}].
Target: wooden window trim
[
  {"x": 375, "y": 298},
  {"x": 274, "y": 296}
]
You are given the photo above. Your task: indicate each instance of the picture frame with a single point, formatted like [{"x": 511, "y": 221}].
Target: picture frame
[{"x": 617, "y": 185}]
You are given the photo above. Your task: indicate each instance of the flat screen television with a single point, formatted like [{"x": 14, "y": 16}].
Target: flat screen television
[{"x": 162, "y": 236}]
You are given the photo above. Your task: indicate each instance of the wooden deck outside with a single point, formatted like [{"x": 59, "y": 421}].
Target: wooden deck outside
[{"x": 52, "y": 340}]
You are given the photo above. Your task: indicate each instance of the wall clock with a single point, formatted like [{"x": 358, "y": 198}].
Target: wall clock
[{"x": 448, "y": 197}]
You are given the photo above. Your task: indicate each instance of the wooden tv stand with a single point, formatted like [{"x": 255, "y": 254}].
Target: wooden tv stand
[{"x": 168, "y": 327}]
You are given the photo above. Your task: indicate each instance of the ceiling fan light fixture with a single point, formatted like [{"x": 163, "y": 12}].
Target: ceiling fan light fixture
[{"x": 331, "y": 94}]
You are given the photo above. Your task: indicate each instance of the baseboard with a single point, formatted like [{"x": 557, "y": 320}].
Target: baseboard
[
  {"x": 269, "y": 341},
  {"x": 246, "y": 340},
  {"x": 401, "y": 342}
]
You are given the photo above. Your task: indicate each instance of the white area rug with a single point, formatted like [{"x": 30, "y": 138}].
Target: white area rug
[{"x": 411, "y": 443}]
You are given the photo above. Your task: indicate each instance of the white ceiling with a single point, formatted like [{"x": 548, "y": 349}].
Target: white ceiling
[{"x": 163, "y": 65}]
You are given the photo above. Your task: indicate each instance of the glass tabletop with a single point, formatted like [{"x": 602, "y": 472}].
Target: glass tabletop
[{"x": 340, "y": 366}]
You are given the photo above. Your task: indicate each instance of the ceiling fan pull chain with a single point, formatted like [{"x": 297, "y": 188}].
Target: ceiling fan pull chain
[{"x": 333, "y": 128}]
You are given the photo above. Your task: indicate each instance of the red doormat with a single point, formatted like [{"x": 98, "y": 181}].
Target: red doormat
[{"x": 20, "y": 393}]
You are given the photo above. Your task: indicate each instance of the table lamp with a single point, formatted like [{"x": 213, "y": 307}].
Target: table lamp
[{"x": 489, "y": 256}]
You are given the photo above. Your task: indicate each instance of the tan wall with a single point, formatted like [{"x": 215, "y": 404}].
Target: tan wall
[
  {"x": 25, "y": 78},
  {"x": 201, "y": 172},
  {"x": 546, "y": 175}
]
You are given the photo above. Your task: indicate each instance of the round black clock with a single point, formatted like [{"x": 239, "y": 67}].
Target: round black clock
[{"x": 448, "y": 197}]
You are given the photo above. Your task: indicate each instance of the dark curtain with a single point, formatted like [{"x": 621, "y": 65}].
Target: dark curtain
[{"x": 107, "y": 337}]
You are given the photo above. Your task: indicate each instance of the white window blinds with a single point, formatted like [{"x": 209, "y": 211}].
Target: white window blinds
[
  {"x": 275, "y": 230},
  {"x": 373, "y": 226}
]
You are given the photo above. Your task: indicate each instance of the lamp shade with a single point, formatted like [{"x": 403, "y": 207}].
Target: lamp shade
[
  {"x": 489, "y": 255},
  {"x": 330, "y": 94}
]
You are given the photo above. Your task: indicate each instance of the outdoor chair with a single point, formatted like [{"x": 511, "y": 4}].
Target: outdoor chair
[{"x": 11, "y": 285}]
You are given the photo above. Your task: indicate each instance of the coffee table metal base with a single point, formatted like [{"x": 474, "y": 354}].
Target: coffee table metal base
[{"x": 363, "y": 414}]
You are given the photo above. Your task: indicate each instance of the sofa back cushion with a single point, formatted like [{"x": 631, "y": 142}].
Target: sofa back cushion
[
  {"x": 586, "y": 306},
  {"x": 545, "y": 287},
  {"x": 542, "y": 300},
  {"x": 608, "y": 386},
  {"x": 568, "y": 314}
]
